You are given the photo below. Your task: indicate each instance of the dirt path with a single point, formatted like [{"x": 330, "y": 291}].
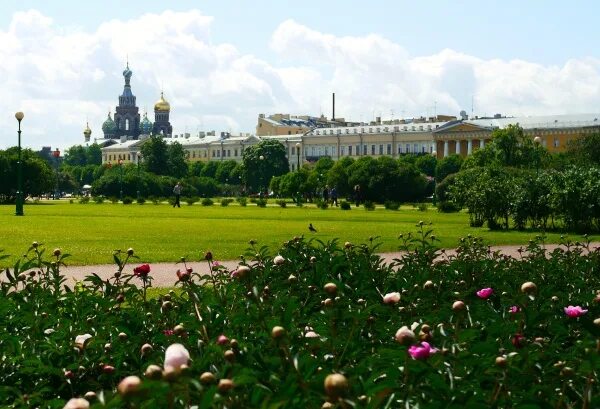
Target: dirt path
[{"x": 164, "y": 274}]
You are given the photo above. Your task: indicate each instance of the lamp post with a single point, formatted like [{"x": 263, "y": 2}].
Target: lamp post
[
  {"x": 139, "y": 158},
  {"x": 19, "y": 207},
  {"x": 262, "y": 158},
  {"x": 433, "y": 198},
  {"x": 56, "y": 155},
  {"x": 537, "y": 141},
  {"x": 298, "y": 146},
  {"x": 120, "y": 179}
]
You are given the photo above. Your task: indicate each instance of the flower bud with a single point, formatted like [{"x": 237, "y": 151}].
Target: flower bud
[
  {"x": 166, "y": 305},
  {"x": 278, "y": 260},
  {"x": 108, "y": 369},
  {"x": 107, "y": 346},
  {"x": 130, "y": 251},
  {"x": 313, "y": 259},
  {"x": 69, "y": 374},
  {"x": 222, "y": 340},
  {"x": 56, "y": 252},
  {"x": 243, "y": 271},
  {"x": 208, "y": 256},
  {"x": 428, "y": 285},
  {"x": 328, "y": 302},
  {"x": 77, "y": 403},
  {"x": 405, "y": 336},
  {"x": 567, "y": 372},
  {"x": 391, "y": 298},
  {"x": 597, "y": 321},
  {"x": 129, "y": 386},
  {"x": 207, "y": 378},
  {"x": 179, "y": 330},
  {"x": 90, "y": 395},
  {"x": 347, "y": 245},
  {"x": 229, "y": 355},
  {"x": 225, "y": 385},
  {"x": 292, "y": 278},
  {"x": 146, "y": 349},
  {"x": 122, "y": 336},
  {"x": 35, "y": 244},
  {"x": 330, "y": 288},
  {"x": 277, "y": 332},
  {"x": 120, "y": 298},
  {"x": 501, "y": 361},
  {"x": 336, "y": 385},
  {"x": 528, "y": 288},
  {"x": 153, "y": 372},
  {"x": 458, "y": 306}
]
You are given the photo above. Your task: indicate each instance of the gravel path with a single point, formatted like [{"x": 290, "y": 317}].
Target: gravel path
[{"x": 164, "y": 273}]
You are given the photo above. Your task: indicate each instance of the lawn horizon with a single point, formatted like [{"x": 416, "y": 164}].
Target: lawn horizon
[{"x": 160, "y": 233}]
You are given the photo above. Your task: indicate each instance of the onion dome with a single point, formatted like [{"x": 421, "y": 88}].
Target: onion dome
[
  {"x": 87, "y": 132},
  {"x": 146, "y": 126},
  {"x": 109, "y": 126},
  {"x": 127, "y": 73},
  {"x": 162, "y": 105}
]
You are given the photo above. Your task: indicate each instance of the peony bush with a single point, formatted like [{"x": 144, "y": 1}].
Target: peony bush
[{"x": 311, "y": 325}]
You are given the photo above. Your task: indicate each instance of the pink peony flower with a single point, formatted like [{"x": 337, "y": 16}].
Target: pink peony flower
[
  {"x": 311, "y": 334},
  {"x": 575, "y": 312},
  {"x": 514, "y": 309},
  {"x": 391, "y": 298},
  {"x": 168, "y": 332},
  {"x": 142, "y": 271},
  {"x": 175, "y": 356},
  {"x": 278, "y": 260},
  {"x": 222, "y": 340},
  {"x": 421, "y": 352},
  {"x": 405, "y": 335},
  {"x": 485, "y": 293}
]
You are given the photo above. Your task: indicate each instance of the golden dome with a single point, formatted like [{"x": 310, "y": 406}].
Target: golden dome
[
  {"x": 87, "y": 130},
  {"x": 162, "y": 104}
]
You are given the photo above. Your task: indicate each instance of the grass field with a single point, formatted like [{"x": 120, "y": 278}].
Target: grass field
[{"x": 90, "y": 232}]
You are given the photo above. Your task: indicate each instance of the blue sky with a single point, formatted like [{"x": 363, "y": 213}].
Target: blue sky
[{"x": 514, "y": 57}]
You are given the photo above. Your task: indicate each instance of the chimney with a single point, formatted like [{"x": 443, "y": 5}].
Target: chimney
[
  {"x": 123, "y": 138},
  {"x": 378, "y": 120},
  {"x": 333, "y": 109}
]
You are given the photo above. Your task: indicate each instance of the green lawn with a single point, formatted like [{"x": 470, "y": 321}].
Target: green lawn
[{"x": 90, "y": 232}]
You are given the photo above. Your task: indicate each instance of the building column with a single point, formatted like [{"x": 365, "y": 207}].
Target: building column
[
  {"x": 457, "y": 149},
  {"x": 469, "y": 146},
  {"x": 481, "y": 143},
  {"x": 445, "y": 148}
]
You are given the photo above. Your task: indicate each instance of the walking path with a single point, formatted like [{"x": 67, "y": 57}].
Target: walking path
[{"x": 164, "y": 274}]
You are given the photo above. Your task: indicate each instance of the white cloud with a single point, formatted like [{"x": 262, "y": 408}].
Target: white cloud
[{"x": 60, "y": 78}]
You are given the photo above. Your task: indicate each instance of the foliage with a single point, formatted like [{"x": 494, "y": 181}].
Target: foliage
[
  {"x": 78, "y": 155},
  {"x": 257, "y": 172},
  {"x": 242, "y": 201},
  {"x": 321, "y": 204},
  {"x": 38, "y": 176},
  {"x": 585, "y": 149},
  {"x": 176, "y": 160},
  {"x": 190, "y": 200},
  {"x": 369, "y": 205},
  {"x": 261, "y": 202},
  {"x": 282, "y": 203},
  {"x": 127, "y": 200},
  {"x": 390, "y": 205},
  {"x": 344, "y": 205},
  {"x": 207, "y": 202},
  {"x": 512, "y": 348},
  {"x": 84, "y": 200},
  {"x": 447, "y": 166},
  {"x": 155, "y": 155},
  {"x": 426, "y": 164},
  {"x": 225, "y": 201}
]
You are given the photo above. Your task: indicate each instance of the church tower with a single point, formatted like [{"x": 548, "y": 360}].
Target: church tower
[
  {"x": 127, "y": 116},
  {"x": 162, "y": 126}
]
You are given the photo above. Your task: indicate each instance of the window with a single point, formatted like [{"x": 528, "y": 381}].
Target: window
[
  {"x": 326, "y": 151},
  {"x": 349, "y": 150},
  {"x": 378, "y": 130},
  {"x": 229, "y": 153},
  {"x": 381, "y": 149},
  {"x": 339, "y": 131},
  {"x": 372, "y": 149},
  {"x": 355, "y": 130},
  {"x": 415, "y": 148},
  {"x": 235, "y": 152},
  {"x": 362, "y": 130},
  {"x": 318, "y": 133},
  {"x": 407, "y": 148},
  {"x": 313, "y": 150},
  {"x": 405, "y": 128},
  {"x": 399, "y": 148},
  {"x": 127, "y": 124},
  {"x": 420, "y": 127},
  {"x": 219, "y": 153},
  {"x": 214, "y": 154},
  {"x": 347, "y": 131},
  {"x": 293, "y": 150},
  {"x": 292, "y": 167},
  {"x": 414, "y": 128},
  {"x": 204, "y": 153},
  {"x": 343, "y": 150},
  {"x": 357, "y": 153},
  {"x": 389, "y": 149},
  {"x": 331, "y": 132},
  {"x": 364, "y": 149},
  {"x": 370, "y": 130},
  {"x": 556, "y": 143}
]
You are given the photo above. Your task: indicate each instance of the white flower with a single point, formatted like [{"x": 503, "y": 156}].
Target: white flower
[
  {"x": 50, "y": 331},
  {"x": 175, "y": 356},
  {"x": 311, "y": 334},
  {"x": 391, "y": 298},
  {"x": 278, "y": 260},
  {"x": 405, "y": 336},
  {"x": 77, "y": 403},
  {"x": 81, "y": 340}
]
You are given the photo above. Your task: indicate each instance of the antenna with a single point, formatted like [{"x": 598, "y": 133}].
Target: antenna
[
  {"x": 472, "y": 104},
  {"x": 435, "y": 109},
  {"x": 392, "y": 114}
]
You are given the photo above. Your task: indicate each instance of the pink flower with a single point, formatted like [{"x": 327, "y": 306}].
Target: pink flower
[
  {"x": 421, "y": 352},
  {"x": 222, "y": 340},
  {"x": 574, "y": 312},
  {"x": 175, "y": 356},
  {"x": 485, "y": 293},
  {"x": 514, "y": 309},
  {"x": 391, "y": 298},
  {"x": 168, "y": 332}
]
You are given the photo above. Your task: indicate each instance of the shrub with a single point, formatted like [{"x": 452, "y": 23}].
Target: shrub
[
  {"x": 422, "y": 207},
  {"x": 369, "y": 205},
  {"x": 261, "y": 202},
  {"x": 207, "y": 201},
  {"x": 321, "y": 204},
  {"x": 344, "y": 205},
  {"x": 253, "y": 200},
  {"x": 71, "y": 201},
  {"x": 447, "y": 207},
  {"x": 127, "y": 200},
  {"x": 281, "y": 203},
  {"x": 299, "y": 204},
  {"x": 225, "y": 201},
  {"x": 141, "y": 200},
  {"x": 389, "y": 205},
  {"x": 191, "y": 200},
  {"x": 242, "y": 201},
  {"x": 84, "y": 200},
  {"x": 113, "y": 199},
  {"x": 99, "y": 199}
]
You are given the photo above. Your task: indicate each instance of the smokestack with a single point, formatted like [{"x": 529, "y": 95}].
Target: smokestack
[{"x": 333, "y": 113}]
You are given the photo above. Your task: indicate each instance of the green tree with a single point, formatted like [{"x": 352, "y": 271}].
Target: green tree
[
  {"x": 258, "y": 172},
  {"x": 447, "y": 166},
  {"x": 75, "y": 156},
  {"x": 176, "y": 161},
  {"x": 94, "y": 154},
  {"x": 155, "y": 154},
  {"x": 196, "y": 168},
  {"x": 426, "y": 164},
  {"x": 210, "y": 169},
  {"x": 337, "y": 176},
  {"x": 224, "y": 171},
  {"x": 38, "y": 176},
  {"x": 585, "y": 149}
]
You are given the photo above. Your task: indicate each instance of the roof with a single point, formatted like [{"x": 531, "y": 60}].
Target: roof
[{"x": 543, "y": 121}]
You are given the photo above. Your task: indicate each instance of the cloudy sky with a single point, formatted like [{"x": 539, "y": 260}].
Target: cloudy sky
[{"x": 221, "y": 63}]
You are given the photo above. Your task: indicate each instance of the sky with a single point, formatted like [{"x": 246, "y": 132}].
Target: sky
[{"x": 222, "y": 63}]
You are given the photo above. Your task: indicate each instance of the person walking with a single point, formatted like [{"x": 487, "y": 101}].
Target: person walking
[
  {"x": 326, "y": 194},
  {"x": 334, "y": 196},
  {"x": 177, "y": 192}
]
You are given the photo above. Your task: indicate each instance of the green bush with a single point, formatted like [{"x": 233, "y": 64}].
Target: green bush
[
  {"x": 99, "y": 199},
  {"x": 191, "y": 200},
  {"x": 344, "y": 205},
  {"x": 242, "y": 201},
  {"x": 141, "y": 200},
  {"x": 127, "y": 200},
  {"x": 261, "y": 202},
  {"x": 113, "y": 199},
  {"x": 207, "y": 202},
  {"x": 422, "y": 207},
  {"x": 447, "y": 207},
  {"x": 321, "y": 204},
  {"x": 389, "y": 205},
  {"x": 225, "y": 201},
  {"x": 71, "y": 201},
  {"x": 84, "y": 200},
  {"x": 281, "y": 203},
  {"x": 368, "y": 205}
]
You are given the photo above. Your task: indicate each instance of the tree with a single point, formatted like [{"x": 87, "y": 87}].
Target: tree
[
  {"x": 337, "y": 176},
  {"x": 196, "y": 168},
  {"x": 426, "y": 164},
  {"x": 258, "y": 172},
  {"x": 155, "y": 154},
  {"x": 75, "y": 156},
  {"x": 176, "y": 161},
  {"x": 94, "y": 154},
  {"x": 38, "y": 176},
  {"x": 210, "y": 169},
  {"x": 447, "y": 166},
  {"x": 585, "y": 149},
  {"x": 224, "y": 171}
]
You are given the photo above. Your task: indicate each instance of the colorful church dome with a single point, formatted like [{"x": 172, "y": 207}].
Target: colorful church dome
[
  {"x": 109, "y": 126},
  {"x": 162, "y": 105},
  {"x": 146, "y": 126}
]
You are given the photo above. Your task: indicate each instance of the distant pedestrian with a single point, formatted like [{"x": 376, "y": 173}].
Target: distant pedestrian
[
  {"x": 357, "y": 195},
  {"x": 177, "y": 193},
  {"x": 334, "y": 196},
  {"x": 326, "y": 194}
]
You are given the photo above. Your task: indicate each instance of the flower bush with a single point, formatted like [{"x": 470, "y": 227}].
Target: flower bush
[{"x": 312, "y": 331}]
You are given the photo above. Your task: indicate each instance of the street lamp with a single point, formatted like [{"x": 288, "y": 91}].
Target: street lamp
[
  {"x": 262, "y": 158},
  {"x": 538, "y": 141},
  {"x": 120, "y": 179},
  {"x": 433, "y": 198},
  {"x": 56, "y": 155},
  {"x": 139, "y": 158},
  {"x": 19, "y": 207},
  {"x": 298, "y": 146}
]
